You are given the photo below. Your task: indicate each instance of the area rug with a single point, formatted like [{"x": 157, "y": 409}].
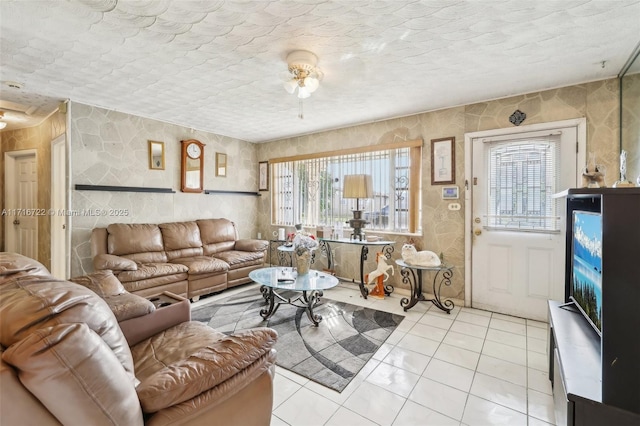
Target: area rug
[{"x": 330, "y": 354}]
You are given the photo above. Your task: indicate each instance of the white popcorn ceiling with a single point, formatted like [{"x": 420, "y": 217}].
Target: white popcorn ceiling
[{"x": 219, "y": 66}]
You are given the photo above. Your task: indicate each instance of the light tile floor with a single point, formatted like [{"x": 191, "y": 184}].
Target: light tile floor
[{"x": 470, "y": 367}]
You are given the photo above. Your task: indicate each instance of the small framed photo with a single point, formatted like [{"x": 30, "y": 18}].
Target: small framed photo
[
  {"x": 450, "y": 193},
  {"x": 443, "y": 166},
  {"x": 263, "y": 176},
  {"x": 156, "y": 155},
  {"x": 221, "y": 164}
]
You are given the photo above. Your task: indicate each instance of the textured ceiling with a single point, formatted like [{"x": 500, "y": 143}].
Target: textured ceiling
[{"x": 219, "y": 65}]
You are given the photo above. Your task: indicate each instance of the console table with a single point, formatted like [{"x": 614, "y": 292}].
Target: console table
[
  {"x": 412, "y": 275},
  {"x": 276, "y": 243},
  {"x": 386, "y": 247}
]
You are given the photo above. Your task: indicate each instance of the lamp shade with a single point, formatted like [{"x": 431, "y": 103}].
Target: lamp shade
[{"x": 357, "y": 186}]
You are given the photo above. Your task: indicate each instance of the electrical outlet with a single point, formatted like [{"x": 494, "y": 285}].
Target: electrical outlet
[{"x": 454, "y": 206}]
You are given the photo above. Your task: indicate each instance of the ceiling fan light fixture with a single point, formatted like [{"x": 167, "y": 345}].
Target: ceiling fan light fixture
[
  {"x": 311, "y": 83},
  {"x": 303, "y": 92},
  {"x": 305, "y": 76},
  {"x": 2, "y": 125},
  {"x": 290, "y": 86}
]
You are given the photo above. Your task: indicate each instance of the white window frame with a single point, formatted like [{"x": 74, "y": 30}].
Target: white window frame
[{"x": 294, "y": 201}]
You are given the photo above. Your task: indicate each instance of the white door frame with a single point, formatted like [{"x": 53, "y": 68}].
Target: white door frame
[
  {"x": 581, "y": 126},
  {"x": 59, "y": 192},
  {"x": 10, "y": 158}
]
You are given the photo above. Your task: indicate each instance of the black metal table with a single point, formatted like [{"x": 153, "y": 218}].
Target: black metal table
[
  {"x": 308, "y": 288},
  {"x": 387, "y": 249},
  {"x": 412, "y": 275}
]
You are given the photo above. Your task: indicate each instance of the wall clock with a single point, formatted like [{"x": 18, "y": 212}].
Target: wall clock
[{"x": 192, "y": 165}]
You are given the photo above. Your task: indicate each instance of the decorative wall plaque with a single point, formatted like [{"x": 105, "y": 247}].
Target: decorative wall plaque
[{"x": 517, "y": 117}]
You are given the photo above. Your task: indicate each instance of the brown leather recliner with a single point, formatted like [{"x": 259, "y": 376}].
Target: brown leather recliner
[{"x": 66, "y": 361}]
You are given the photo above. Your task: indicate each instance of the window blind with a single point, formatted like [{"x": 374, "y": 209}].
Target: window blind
[{"x": 523, "y": 176}]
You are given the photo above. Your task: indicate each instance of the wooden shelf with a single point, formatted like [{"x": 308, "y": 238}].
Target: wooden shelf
[
  {"x": 80, "y": 187},
  {"x": 214, "y": 191}
]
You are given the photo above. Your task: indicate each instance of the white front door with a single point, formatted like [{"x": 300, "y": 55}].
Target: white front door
[
  {"x": 21, "y": 196},
  {"x": 516, "y": 227}
]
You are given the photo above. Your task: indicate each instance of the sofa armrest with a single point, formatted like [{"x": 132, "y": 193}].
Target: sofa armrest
[
  {"x": 137, "y": 329},
  {"x": 115, "y": 263},
  {"x": 206, "y": 368},
  {"x": 251, "y": 245}
]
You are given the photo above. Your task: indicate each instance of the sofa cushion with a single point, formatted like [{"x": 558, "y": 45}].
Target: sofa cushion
[
  {"x": 160, "y": 350},
  {"x": 180, "y": 235},
  {"x": 251, "y": 245},
  {"x": 152, "y": 270},
  {"x": 203, "y": 264},
  {"x": 217, "y": 235},
  {"x": 39, "y": 302},
  {"x": 206, "y": 367},
  {"x": 113, "y": 262},
  {"x": 127, "y": 238},
  {"x": 13, "y": 265},
  {"x": 102, "y": 283},
  {"x": 126, "y": 306},
  {"x": 217, "y": 230},
  {"x": 69, "y": 362},
  {"x": 238, "y": 259}
]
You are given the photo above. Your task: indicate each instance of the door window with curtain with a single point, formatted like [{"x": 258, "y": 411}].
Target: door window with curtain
[
  {"x": 523, "y": 176},
  {"x": 308, "y": 189}
]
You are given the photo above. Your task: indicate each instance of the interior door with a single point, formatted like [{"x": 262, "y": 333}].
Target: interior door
[
  {"x": 518, "y": 241},
  {"x": 58, "y": 207},
  {"x": 21, "y": 195}
]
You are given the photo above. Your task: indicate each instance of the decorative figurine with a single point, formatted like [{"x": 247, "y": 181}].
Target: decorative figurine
[
  {"x": 593, "y": 172},
  {"x": 419, "y": 258},
  {"x": 623, "y": 182},
  {"x": 377, "y": 275}
]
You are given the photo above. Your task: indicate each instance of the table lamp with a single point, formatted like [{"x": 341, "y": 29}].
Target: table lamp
[{"x": 357, "y": 186}]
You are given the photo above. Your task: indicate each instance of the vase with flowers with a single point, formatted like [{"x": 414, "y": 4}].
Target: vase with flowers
[{"x": 303, "y": 245}]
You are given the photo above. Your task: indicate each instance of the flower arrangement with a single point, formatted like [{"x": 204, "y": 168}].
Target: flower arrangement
[{"x": 303, "y": 242}]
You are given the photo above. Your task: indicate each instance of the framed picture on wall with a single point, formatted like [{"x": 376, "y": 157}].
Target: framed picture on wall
[
  {"x": 221, "y": 164},
  {"x": 263, "y": 176},
  {"x": 443, "y": 166}
]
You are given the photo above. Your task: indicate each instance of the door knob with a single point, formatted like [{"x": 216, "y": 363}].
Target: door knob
[{"x": 477, "y": 231}]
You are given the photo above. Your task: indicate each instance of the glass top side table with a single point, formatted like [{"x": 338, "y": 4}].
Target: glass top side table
[
  {"x": 309, "y": 285},
  {"x": 412, "y": 275}
]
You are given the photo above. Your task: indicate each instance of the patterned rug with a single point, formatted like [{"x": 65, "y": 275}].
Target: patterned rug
[{"x": 330, "y": 354}]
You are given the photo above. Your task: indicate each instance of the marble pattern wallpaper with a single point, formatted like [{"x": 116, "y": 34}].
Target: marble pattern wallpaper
[
  {"x": 443, "y": 229},
  {"x": 110, "y": 148},
  {"x": 631, "y": 125}
]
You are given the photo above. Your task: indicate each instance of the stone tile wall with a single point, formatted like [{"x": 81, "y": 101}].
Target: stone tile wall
[
  {"x": 110, "y": 148},
  {"x": 443, "y": 230}
]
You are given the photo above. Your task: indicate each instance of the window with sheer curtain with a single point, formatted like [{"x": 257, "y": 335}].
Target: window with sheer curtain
[{"x": 308, "y": 189}]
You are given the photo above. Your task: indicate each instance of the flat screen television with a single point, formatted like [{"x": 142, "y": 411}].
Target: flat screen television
[{"x": 586, "y": 267}]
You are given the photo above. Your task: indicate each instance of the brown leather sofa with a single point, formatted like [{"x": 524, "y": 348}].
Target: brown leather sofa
[
  {"x": 65, "y": 360},
  {"x": 186, "y": 258}
]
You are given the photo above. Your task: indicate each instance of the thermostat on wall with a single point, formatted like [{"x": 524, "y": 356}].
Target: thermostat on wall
[{"x": 450, "y": 193}]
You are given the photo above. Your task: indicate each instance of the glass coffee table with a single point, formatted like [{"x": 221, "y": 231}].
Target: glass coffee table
[{"x": 310, "y": 287}]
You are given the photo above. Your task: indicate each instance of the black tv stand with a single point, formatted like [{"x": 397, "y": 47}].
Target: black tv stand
[
  {"x": 596, "y": 377},
  {"x": 575, "y": 372}
]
